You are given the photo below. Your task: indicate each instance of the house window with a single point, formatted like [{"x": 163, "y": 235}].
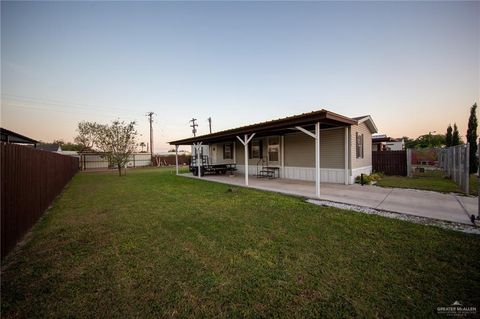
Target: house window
[
  {"x": 359, "y": 145},
  {"x": 227, "y": 151},
  {"x": 273, "y": 149},
  {"x": 256, "y": 149}
]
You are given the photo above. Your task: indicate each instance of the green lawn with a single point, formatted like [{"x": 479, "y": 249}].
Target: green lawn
[
  {"x": 433, "y": 181},
  {"x": 151, "y": 244}
]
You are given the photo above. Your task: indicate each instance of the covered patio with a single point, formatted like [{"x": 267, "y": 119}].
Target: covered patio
[{"x": 300, "y": 135}]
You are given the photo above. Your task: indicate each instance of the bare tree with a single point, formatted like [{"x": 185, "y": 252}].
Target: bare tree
[
  {"x": 87, "y": 134},
  {"x": 117, "y": 142}
]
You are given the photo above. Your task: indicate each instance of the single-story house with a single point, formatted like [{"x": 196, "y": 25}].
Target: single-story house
[
  {"x": 382, "y": 142},
  {"x": 319, "y": 146}
]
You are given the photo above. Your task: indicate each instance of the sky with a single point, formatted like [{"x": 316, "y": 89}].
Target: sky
[{"x": 413, "y": 66}]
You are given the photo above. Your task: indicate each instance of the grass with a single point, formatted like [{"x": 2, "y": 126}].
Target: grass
[
  {"x": 432, "y": 181},
  {"x": 151, "y": 244}
]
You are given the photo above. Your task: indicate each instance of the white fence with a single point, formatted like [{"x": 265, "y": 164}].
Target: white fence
[
  {"x": 96, "y": 161},
  {"x": 455, "y": 161}
]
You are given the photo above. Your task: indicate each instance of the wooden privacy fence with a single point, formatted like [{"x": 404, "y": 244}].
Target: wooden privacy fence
[
  {"x": 30, "y": 181},
  {"x": 390, "y": 162}
]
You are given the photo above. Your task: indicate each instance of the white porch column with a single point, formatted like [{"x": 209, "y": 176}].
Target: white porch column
[
  {"x": 199, "y": 160},
  {"x": 245, "y": 144},
  {"x": 317, "y": 159},
  {"x": 346, "y": 155},
  {"x": 176, "y": 158}
]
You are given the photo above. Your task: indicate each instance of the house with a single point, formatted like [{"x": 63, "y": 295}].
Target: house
[
  {"x": 50, "y": 147},
  {"x": 8, "y": 136},
  {"x": 381, "y": 142},
  {"x": 319, "y": 146}
]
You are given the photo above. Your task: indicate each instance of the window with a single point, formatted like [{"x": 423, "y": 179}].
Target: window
[
  {"x": 256, "y": 149},
  {"x": 359, "y": 145},
  {"x": 273, "y": 149},
  {"x": 227, "y": 151}
]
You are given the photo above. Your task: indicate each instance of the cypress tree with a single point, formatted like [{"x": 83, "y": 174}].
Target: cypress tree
[
  {"x": 455, "y": 135},
  {"x": 472, "y": 138},
  {"x": 448, "y": 137}
]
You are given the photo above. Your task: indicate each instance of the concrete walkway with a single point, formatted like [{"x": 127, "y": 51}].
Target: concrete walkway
[{"x": 447, "y": 207}]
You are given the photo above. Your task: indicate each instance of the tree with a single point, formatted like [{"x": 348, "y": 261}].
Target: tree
[
  {"x": 455, "y": 136},
  {"x": 87, "y": 134},
  {"x": 409, "y": 142},
  {"x": 448, "y": 137},
  {"x": 117, "y": 142},
  {"x": 472, "y": 138},
  {"x": 142, "y": 145},
  {"x": 67, "y": 146}
]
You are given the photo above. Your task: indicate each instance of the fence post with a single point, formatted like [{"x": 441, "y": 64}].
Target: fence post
[
  {"x": 409, "y": 162},
  {"x": 467, "y": 168},
  {"x": 478, "y": 183}
]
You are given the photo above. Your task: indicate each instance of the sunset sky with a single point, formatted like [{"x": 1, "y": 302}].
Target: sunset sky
[{"x": 413, "y": 66}]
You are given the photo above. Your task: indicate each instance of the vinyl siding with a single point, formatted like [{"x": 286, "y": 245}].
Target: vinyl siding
[
  {"x": 367, "y": 142},
  {"x": 300, "y": 149}
]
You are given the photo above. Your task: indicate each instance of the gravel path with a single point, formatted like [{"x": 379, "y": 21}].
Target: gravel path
[{"x": 469, "y": 229}]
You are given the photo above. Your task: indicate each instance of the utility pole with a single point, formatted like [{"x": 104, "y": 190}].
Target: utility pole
[
  {"x": 150, "y": 119},
  {"x": 193, "y": 126},
  {"x": 210, "y": 124}
]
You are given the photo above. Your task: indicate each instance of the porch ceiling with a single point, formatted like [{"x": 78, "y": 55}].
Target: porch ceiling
[{"x": 281, "y": 126}]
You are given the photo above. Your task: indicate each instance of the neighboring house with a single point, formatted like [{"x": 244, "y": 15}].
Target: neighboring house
[
  {"x": 50, "y": 147},
  {"x": 382, "y": 142},
  {"x": 70, "y": 153},
  {"x": 342, "y": 151}
]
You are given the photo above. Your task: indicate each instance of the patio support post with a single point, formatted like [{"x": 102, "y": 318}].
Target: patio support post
[
  {"x": 199, "y": 159},
  {"x": 346, "y": 155},
  {"x": 245, "y": 144},
  {"x": 176, "y": 158},
  {"x": 316, "y": 136},
  {"x": 317, "y": 159}
]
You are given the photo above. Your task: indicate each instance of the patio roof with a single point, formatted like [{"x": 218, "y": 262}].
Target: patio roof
[
  {"x": 279, "y": 126},
  {"x": 13, "y": 137}
]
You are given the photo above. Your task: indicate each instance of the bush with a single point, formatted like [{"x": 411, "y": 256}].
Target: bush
[{"x": 368, "y": 179}]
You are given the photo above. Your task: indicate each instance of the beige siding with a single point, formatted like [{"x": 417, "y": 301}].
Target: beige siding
[
  {"x": 367, "y": 141},
  {"x": 218, "y": 150},
  {"x": 251, "y": 161},
  {"x": 300, "y": 149}
]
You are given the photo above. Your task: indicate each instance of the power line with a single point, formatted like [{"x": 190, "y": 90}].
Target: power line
[
  {"x": 61, "y": 111},
  {"x": 62, "y": 103}
]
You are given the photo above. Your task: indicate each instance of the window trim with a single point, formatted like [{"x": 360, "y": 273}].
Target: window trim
[
  {"x": 231, "y": 151},
  {"x": 250, "y": 149},
  {"x": 359, "y": 145}
]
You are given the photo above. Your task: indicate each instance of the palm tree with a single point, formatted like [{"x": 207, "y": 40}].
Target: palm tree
[{"x": 142, "y": 145}]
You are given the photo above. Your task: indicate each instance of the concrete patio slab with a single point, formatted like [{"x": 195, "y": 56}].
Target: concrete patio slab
[{"x": 446, "y": 207}]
